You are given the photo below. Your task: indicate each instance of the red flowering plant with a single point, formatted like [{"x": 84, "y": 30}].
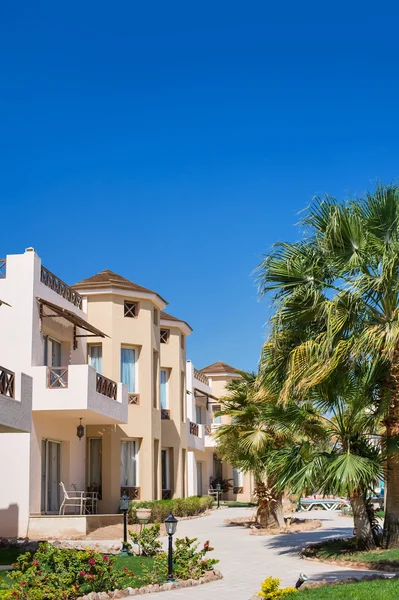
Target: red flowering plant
[{"x": 55, "y": 574}]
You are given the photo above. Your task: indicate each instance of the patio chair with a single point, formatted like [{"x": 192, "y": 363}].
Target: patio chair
[{"x": 73, "y": 498}]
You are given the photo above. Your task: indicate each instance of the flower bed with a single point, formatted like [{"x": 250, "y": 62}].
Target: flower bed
[
  {"x": 56, "y": 574},
  {"x": 181, "y": 507}
]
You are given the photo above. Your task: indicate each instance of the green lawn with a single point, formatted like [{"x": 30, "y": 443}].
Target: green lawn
[
  {"x": 135, "y": 564},
  {"x": 345, "y": 550},
  {"x": 236, "y": 504},
  {"x": 367, "y": 590}
]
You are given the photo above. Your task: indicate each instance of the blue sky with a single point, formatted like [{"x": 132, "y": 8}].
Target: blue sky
[{"x": 176, "y": 146}]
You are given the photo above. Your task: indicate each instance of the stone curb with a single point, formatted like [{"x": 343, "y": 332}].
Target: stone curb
[{"x": 152, "y": 588}]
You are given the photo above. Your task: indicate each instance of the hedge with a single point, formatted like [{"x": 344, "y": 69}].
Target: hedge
[{"x": 180, "y": 507}]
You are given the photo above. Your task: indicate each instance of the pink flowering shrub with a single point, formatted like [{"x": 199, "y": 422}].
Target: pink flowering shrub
[{"x": 54, "y": 574}]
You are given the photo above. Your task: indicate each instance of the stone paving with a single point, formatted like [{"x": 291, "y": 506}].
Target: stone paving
[{"x": 246, "y": 560}]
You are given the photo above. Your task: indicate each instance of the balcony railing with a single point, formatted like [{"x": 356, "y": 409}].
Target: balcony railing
[
  {"x": 165, "y": 413},
  {"x": 3, "y": 267},
  {"x": 166, "y": 494},
  {"x": 60, "y": 287},
  {"x": 134, "y": 399},
  {"x": 201, "y": 377},
  {"x": 106, "y": 386},
  {"x": 132, "y": 492},
  {"x": 57, "y": 377},
  {"x": 7, "y": 383},
  {"x": 194, "y": 428},
  {"x": 238, "y": 489}
]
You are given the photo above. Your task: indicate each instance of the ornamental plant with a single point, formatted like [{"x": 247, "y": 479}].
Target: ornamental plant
[
  {"x": 148, "y": 540},
  {"x": 270, "y": 589},
  {"x": 55, "y": 574}
]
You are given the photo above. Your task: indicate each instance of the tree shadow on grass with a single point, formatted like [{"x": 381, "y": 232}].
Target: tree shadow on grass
[{"x": 344, "y": 574}]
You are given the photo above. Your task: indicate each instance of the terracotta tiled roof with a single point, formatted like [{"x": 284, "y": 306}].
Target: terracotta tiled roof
[
  {"x": 219, "y": 367},
  {"x": 107, "y": 279},
  {"x": 168, "y": 317}
]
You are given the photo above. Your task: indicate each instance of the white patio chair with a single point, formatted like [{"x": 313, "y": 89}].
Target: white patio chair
[{"x": 73, "y": 498}]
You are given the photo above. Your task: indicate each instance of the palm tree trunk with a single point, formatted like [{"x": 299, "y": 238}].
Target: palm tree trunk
[
  {"x": 363, "y": 532},
  {"x": 391, "y": 522},
  {"x": 270, "y": 512}
]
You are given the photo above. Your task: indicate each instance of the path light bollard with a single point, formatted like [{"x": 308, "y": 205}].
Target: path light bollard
[
  {"x": 124, "y": 507},
  {"x": 301, "y": 579},
  {"x": 218, "y": 491},
  {"x": 170, "y": 526}
]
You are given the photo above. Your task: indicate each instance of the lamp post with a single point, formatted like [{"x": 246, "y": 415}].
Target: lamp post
[
  {"x": 124, "y": 506},
  {"x": 218, "y": 490},
  {"x": 170, "y": 526},
  {"x": 301, "y": 579}
]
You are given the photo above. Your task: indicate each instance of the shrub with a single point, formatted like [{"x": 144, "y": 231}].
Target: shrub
[
  {"x": 181, "y": 507},
  {"x": 147, "y": 540},
  {"x": 270, "y": 589},
  {"x": 188, "y": 562},
  {"x": 56, "y": 574}
]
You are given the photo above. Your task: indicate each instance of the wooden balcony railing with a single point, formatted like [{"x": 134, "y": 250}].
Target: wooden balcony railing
[
  {"x": 166, "y": 494},
  {"x": 7, "y": 383},
  {"x": 106, "y": 386},
  {"x": 60, "y": 287},
  {"x": 194, "y": 428},
  {"x": 3, "y": 267},
  {"x": 201, "y": 377},
  {"x": 208, "y": 429},
  {"x": 57, "y": 377},
  {"x": 134, "y": 399},
  {"x": 165, "y": 413},
  {"x": 238, "y": 489},
  {"x": 132, "y": 492}
]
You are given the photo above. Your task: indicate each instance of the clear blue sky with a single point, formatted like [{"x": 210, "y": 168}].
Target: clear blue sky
[{"x": 176, "y": 146}]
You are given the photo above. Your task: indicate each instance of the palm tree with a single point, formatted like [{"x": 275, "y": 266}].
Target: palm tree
[
  {"x": 340, "y": 287},
  {"x": 255, "y": 428},
  {"x": 347, "y": 460}
]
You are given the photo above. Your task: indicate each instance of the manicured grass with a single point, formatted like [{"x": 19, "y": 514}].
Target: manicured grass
[
  {"x": 346, "y": 550},
  {"x": 135, "y": 564},
  {"x": 367, "y": 590},
  {"x": 235, "y": 504}
]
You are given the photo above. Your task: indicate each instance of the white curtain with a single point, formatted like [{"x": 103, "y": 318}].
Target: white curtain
[
  {"x": 128, "y": 360},
  {"x": 164, "y": 389},
  {"x": 95, "y": 462},
  {"x": 237, "y": 477},
  {"x": 96, "y": 358},
  {"x": 128, "y": 463}
]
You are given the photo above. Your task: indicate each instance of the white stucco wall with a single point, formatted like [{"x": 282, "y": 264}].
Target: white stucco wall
[{"x": 16, "y": 413}]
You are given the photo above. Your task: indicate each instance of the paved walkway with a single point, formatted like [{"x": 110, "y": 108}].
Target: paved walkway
[{"x": 245, "y": 560}]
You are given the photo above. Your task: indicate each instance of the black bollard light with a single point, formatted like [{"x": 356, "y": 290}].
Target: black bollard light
[
  {"x": 124, "y": 507},
  {"x": 170, "y": 526},
  {"x": 301, "y": 579}
]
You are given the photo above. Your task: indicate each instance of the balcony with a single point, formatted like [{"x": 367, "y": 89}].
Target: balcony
[
  {"x": 201, "y": 377},
  {"x": 210, "y": 441},
  {"x": 80, "y": 392},
  {"x": 196, "y": 435},
  {"x": 15, "y": 402},
  {"x": 60, "y": 287}
]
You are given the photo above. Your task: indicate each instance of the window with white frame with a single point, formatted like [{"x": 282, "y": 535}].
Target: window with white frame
[
  {"x": 128, "y": 368},
  {"x": 198, "y": 414},
  {"x": 216, "y": 419},
  {"x": 164, "y": 374},
  {"x": 96, "y": 357},
  {"x": 129, "y": 470}
]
